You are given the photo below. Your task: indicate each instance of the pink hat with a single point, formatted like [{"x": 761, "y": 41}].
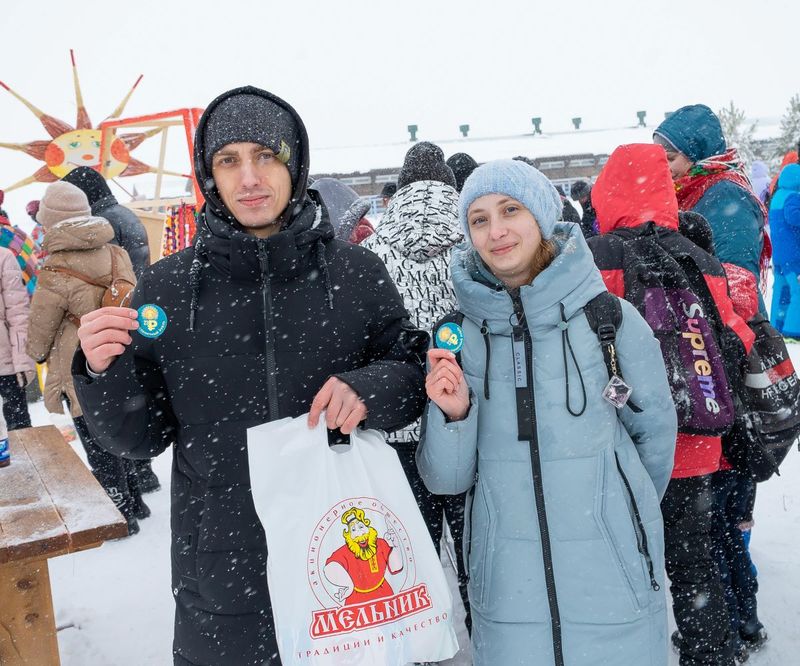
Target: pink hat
[{"x": 32, "y": 208}]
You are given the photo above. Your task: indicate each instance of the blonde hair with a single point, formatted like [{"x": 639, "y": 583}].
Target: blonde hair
[{"x": 544, "y": 256}]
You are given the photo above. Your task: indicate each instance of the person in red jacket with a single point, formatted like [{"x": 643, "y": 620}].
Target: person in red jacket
[
  {"x": 635, "y": 191},
  {"x": 734, "y": 491}
]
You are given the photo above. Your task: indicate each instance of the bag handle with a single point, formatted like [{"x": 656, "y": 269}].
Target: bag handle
[
  {"x": 113, "y": 264},
  {"x": 76, "y": 274},
  {"x": 355, "y": 438},
  {"x": 85, "y": 278},
  {"x": 74, "y": 319}
]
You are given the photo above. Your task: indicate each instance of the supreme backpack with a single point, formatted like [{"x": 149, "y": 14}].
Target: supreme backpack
[
  {"x": 671, "y": 294},
  {"x": 769, "y": 420},
  {"x": 117, "y": 290}
]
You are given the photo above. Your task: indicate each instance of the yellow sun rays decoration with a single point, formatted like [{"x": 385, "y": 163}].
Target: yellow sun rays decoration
[{"x": 71, "y": 147}]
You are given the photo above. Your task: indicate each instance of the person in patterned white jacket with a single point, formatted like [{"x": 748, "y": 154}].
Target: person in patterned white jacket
[{"x": 414, "y": 239}]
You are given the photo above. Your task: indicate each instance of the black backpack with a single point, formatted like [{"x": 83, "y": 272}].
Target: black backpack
[
  {"x": 666, "y": 285},
  {"x": 768, "y": 418}
]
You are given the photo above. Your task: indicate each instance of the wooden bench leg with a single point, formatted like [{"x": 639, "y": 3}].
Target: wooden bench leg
[{"x": 27, "y": 621}]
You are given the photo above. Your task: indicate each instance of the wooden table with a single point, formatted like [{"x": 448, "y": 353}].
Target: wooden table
[{"x": 50, "y": 504}]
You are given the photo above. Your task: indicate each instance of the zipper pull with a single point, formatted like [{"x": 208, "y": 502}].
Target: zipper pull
[
  {"x": 520, "y": 357},
  {"x": 263, "y": 259},
  {"x": 518, "y": 329},
  {"x": 649, "y": 561}
]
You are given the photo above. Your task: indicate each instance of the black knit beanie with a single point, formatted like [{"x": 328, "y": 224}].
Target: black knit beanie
[
  {"x": 462, "y": 166},
  {"x": 388, "y": 190},
  {"x": 580, "y": 189},
  {"x": 253, "y": 118},
  {"x": 425, "y": 161}
]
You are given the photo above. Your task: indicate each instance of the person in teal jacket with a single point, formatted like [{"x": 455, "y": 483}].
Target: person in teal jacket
[
  {"x": 784, "y": 221},
  {"x": 710, "y": 179},
  {"x": 563, "y": 533}
]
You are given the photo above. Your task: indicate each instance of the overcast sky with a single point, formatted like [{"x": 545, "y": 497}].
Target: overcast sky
[{"x": 360, "y": 72}]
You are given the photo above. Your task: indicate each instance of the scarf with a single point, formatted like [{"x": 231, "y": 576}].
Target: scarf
[{"x": 708, "y": 172}]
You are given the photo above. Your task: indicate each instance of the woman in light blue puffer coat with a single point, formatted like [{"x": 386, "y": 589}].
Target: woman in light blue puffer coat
[{"x": 564, "y": 539}]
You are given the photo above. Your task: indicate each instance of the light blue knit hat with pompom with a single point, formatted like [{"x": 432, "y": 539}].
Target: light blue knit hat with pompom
[{"x": 518, "y": 180}]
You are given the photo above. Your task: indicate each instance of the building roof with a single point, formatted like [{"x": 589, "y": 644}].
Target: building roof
[{"x": 366, "y": 158}]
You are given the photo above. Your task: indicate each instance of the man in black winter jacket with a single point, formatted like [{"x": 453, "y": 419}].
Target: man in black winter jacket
[{"x": 267, "y": 316}]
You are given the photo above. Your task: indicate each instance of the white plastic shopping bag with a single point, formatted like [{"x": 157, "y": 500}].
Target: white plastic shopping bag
[{"x": 353, "y": 574}]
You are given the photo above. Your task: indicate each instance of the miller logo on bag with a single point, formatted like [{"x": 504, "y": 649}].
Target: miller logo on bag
[
  {"x": 366, "y": 585},
  {"x": 361, "y": 577}
]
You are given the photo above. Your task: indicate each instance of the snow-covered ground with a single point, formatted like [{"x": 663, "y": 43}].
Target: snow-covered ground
[{"x": 114, "y": 606}]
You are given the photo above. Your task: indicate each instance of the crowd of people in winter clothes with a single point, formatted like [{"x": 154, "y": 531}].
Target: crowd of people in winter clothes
[
  {"x": 683, "y": 206},
  {"x": 576, "y": 471}
]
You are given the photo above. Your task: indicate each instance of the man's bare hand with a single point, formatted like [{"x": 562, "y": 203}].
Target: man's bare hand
[
  {"x": 104, "y": 334},
  {"x": 343, "y": 408}
]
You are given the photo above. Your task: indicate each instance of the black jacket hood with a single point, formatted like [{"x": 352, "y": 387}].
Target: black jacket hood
[
  {"x": 205, "y": 180},
  {"x": 236, "y": 254},
  {"x": 93, "y": 185}
]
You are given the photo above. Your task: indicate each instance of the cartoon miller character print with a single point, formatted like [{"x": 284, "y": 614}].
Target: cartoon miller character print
[{"x": 359, "y": 566}]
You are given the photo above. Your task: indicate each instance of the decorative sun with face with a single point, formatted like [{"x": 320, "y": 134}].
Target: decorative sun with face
[{"x": 72, "y": 147}]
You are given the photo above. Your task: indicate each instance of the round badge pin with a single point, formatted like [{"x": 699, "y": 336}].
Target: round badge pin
[
  {"x": 152, "y": 321},
  {"x": 450, "y": 337}
]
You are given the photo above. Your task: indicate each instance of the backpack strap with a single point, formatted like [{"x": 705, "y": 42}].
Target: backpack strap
[
  {"x": 114, "y": 274},
  {"x": 74, "y": 319},
  {"x": 604, "y": 314}
]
